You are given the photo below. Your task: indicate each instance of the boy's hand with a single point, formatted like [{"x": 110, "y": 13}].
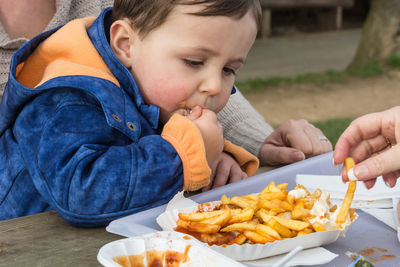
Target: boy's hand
[
  {"x": 225, "y": 170},
  {"x": 211, "y": 131}
]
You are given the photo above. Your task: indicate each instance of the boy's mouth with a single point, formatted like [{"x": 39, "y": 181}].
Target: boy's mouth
[
  {"x": 187, "y": 111},
  {"x": 184, "y": 110}
]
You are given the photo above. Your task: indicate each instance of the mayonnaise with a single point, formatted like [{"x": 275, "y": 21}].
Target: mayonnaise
[
  {"x": 322, "y": 215},
  {"x": 321, "y": 206},
  {"x": 298, "y": 193}
]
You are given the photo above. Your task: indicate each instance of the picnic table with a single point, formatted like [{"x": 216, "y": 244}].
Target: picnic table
[
  {"x": 269, "y": 5},
  {"x": 45, "y": 239}
]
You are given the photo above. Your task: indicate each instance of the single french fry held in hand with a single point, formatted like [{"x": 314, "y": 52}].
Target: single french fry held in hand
[
  {"x": 351, "y": 188},
  {"x": 271, "y": 215}
]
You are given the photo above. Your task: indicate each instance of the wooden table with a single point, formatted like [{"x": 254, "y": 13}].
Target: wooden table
[{"x": 45, "y": 239}]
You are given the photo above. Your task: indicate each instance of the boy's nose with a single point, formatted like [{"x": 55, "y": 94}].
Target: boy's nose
[{"x": 211, "y": 85}]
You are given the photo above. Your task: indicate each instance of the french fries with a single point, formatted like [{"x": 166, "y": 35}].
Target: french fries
[
  {"x": 273, "y": 214},
  {"x": 351, "y": 188}
]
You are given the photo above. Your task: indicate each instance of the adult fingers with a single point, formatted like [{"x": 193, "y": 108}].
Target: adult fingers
[
  {"x": 319, "y": 143},
  {"x": 367, "y": 127},
  {"x": 307, "y": 138},
  {"x": 294, "y": 135},
  {"x": 369, "y": 147},
  {"x": 358, "y": 130},
  {"x": 345, "y": 178},
  {"x": 370, "y": 183},
  {"x": 277, "y": 155},
  {"x": 391, "y": 178},
  {"x": 378, "y": 164}
]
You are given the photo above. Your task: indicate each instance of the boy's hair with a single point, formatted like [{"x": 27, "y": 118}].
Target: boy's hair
[{"x": 146, "y": 15}]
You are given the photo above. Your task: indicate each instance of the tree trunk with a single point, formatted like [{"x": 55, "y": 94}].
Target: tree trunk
[{"x": 380, "y": 34}]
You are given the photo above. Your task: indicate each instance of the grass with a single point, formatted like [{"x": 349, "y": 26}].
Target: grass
[
  {"x": 373, "y": 68},
  {"x": 394, "y": 60},
  {"x": 333, "y": 128}
]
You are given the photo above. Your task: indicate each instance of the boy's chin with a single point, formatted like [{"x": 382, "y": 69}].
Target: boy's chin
[{"x": 164, "y": 118}]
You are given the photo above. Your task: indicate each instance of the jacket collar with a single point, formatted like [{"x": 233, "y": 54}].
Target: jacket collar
[{"x": 99, "y": 34}]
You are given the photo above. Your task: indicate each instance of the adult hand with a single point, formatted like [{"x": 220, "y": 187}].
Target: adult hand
[
  {"x": 372, "y": 140},
  {"x": 293, "y": 141},
  {"x": 211, "y": 131},
  {"x": 225, "y": 170}
]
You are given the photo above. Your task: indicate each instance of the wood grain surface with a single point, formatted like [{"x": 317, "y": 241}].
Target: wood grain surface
[{"x": 45, "y": 239}]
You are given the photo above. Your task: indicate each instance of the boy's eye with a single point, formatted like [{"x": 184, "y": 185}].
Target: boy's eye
[
  {"x": 229, "y": 71},
  {"x": 193, "y": 63}
]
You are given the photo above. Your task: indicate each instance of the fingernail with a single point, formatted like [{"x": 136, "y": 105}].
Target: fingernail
[
  {"x": 333, "y": 162},
  {"x": 351, "y": 175},
  {"x": 361, "y": 171},
  {"x": 297, "y": 156},
  {"x": 365, "y": 186},
  {"x": 387, "y": 184}
]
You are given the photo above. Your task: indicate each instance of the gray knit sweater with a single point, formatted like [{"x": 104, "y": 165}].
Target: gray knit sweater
[{"x": 242, "y": 124}]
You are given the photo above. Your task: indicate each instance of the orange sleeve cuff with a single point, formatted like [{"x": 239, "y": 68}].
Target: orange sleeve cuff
[
  {"x": 247, "y": 161},
  {"x": 186, "y": 138}
]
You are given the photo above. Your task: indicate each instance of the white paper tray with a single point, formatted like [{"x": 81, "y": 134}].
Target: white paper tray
[
  {"x": 366, "y": 232},
  {"x": 198, "y": 254}
]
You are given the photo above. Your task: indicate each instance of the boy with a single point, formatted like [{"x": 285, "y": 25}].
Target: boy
[{"x": 107, "y": 117}]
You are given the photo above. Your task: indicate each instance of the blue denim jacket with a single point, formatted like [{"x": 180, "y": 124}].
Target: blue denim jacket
[{"x": 81, "y": 145}]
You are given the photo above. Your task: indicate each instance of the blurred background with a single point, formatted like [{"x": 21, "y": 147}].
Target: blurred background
[{"x": 327, "y": 61}]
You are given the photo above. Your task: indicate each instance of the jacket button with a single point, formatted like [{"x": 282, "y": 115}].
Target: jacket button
[
  {"x": 131, "y": 126},
  {"x": 115, "y": 117}
]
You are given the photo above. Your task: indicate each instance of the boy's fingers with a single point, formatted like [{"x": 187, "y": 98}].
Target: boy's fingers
[
  {"x": 236, "y": 174},
  {"x": 221, "y": 176},
  {"x": 195, "y": 113}
]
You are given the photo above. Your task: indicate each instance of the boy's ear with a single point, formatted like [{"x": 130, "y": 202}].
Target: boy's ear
[{"x": 121, "y": 40}]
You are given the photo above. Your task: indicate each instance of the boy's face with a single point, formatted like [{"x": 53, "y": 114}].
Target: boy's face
[{"x": 191, "y": 60}]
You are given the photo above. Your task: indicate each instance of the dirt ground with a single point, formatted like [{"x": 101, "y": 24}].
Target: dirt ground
[{"x": 350, "y": 99}]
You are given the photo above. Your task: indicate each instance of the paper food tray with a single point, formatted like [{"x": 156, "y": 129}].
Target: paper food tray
[
  {"x": 133, "y": 250},
  {"x": 145, "y": 221},
  {"x": 246, "y": 252}
]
